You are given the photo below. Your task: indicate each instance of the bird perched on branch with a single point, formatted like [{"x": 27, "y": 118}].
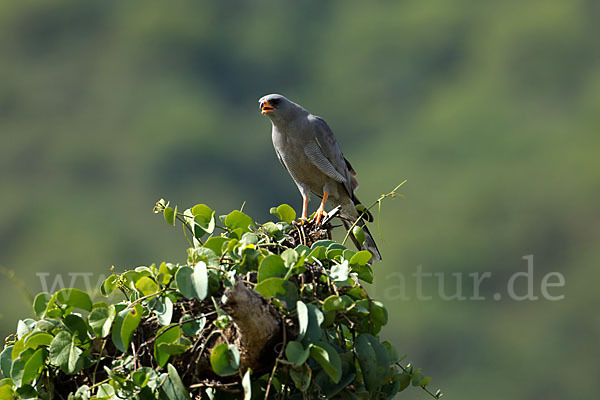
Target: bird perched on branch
[{"x": 309, "y": 151}]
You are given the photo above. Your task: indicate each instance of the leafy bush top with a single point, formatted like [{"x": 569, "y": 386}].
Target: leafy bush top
[{"x": 148, "y": 345}]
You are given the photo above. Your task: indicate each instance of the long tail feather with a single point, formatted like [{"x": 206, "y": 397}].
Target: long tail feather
[{"x": 369, "y": 243}]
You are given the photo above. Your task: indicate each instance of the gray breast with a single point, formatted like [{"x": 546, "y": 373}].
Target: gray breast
[{"x": 292, "y": 155}]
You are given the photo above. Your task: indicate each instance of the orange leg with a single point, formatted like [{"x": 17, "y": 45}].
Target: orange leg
[
  {"x": 304, "y": 207},
  {"x": 321, "y": 209}
]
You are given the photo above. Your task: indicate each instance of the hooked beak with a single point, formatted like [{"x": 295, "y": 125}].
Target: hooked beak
[{"x": 266, "y": 107}]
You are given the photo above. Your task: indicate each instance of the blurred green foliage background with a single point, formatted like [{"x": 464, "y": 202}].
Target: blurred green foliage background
[{"x": 489, "y": 109}]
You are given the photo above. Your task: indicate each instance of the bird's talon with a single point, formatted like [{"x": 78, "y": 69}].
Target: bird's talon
[
  {"x": 319, "y": 216},
  {"x": 300, "y": 222}
]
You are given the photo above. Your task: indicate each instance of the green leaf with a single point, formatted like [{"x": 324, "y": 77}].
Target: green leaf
[
  {"x": 290, "y": 258},
  {"x": 279, "y": 288},
  {"x": 64, "y": 353},
  {"x": 378, "y": 312},
  {"x": 358, "y": 234},
  {"x": 144, "y": 270},
  {"x": 164, "y": 310},
  {"x": 24, "y": 326},
  {"x": 19, "y": 347},
  {"x": 271, "y": 287},
  {"x": 237, "y": 233},
  {"x": 247, "y": 385},
  {"x": 172, "y": 348},
  {"x": 302, "y": 319},
  {"x": 200, "y": 280},
  {"x": 194, "y": 326},
  {"x": 27, "y": 391},
  {"x": 328, "y": 358},
  {"x": 319, "y": 252},
  {"x": 164, "y": 274},
  {"x": 373, "y": 360},
  {"x": 339, "y": 272},
  {"x": 424, "y": 382},
  {"x": 33, "y": 366},
  {"x": 40, "y": 303},
  {"x": 169, "y": 215},
  {"x": 225, "y": 359},
  {"x": 105, "y": 390},
  {"x": 202, "y": 210},
  {"x": 301, "y": 377},
  {"x": 378, "y": 316},
  {"x": 296, "y": 353},
  {"x": 333, "y": 253},
  {"x": 7, "y": 392},
  {"x": 216, "y": 244},
  {"x": 18, "y": 366},
  {"x": 315, "y": 319},
  {"x": 417, "y": 377},
  {"x": 146, "y": 286},
  {"x": 193, "y": 282},
  {"x": 167, "y": 334},
  {"x": 183, "y": 277},
  {"x": 46, "y": 325},
  {"x": 286, "y": 213},
  {"x": 330, "y": 389},
  {"x": 272, "y": 229},
  {"x": 334, "y": 246},
  {"x": 131, "y": 277},
  {"x": 37, "y": 339},
  {"x": 361, "y": 258},
  {"x": 109, "y": 285},
  {"x": 329, "y": 318},
  {"x": 141, "y": 376},
  {"x": 333, "y": 303},
  {"x": 249, "y": 238},
  {"x": 325, "y": 243},
  {"x": 238, "y": 220},
  {"x": 173, "y": 388},
  {"x": 126, "y": 322},
  {"x": 348, "y": 254},
  {"x": 82, "y": 393},
  {"x": 404, "y": 380},
  {"x": 204, "y": 218},
  {"x": 271, "y": 266},
  {"x": 392, "y": 353},
  {"x": 249, "y": 258},
  {"x": 6, "y": 381},
  {"x": 77, "y": 325},
  {"x": 6, "y": 361},
  {"x": 101, "y": 319},
  {"x": 302, "y": 249},
  {"x": 206, "y": 255},
  {"x": 364, "y": 272},
  {"x": 356, "y": 293},
  {"x": 72, "y": 297},
  {"x": 232, "y": 248}
]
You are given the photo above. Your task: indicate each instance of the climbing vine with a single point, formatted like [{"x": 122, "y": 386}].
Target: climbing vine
[{"x": 171, "y": 331}]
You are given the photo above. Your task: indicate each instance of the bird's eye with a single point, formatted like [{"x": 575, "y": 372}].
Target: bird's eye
[{"x": 274, "y": 102}]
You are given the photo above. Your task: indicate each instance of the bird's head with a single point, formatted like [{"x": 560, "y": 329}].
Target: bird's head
[{"x": 278, "y": 108}]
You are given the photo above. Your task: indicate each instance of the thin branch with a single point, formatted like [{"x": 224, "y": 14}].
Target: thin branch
[
  {"x": 378, "y": 201},
  {"x": 435, "y": 396},
  {"x": 277, "y": 359}
]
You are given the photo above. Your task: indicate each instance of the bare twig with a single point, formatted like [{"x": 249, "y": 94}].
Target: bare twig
[{"x": 277, "y": 359}]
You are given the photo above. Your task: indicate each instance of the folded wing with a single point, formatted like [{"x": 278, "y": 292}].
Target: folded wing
[{"x": 325, "y": 153}]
